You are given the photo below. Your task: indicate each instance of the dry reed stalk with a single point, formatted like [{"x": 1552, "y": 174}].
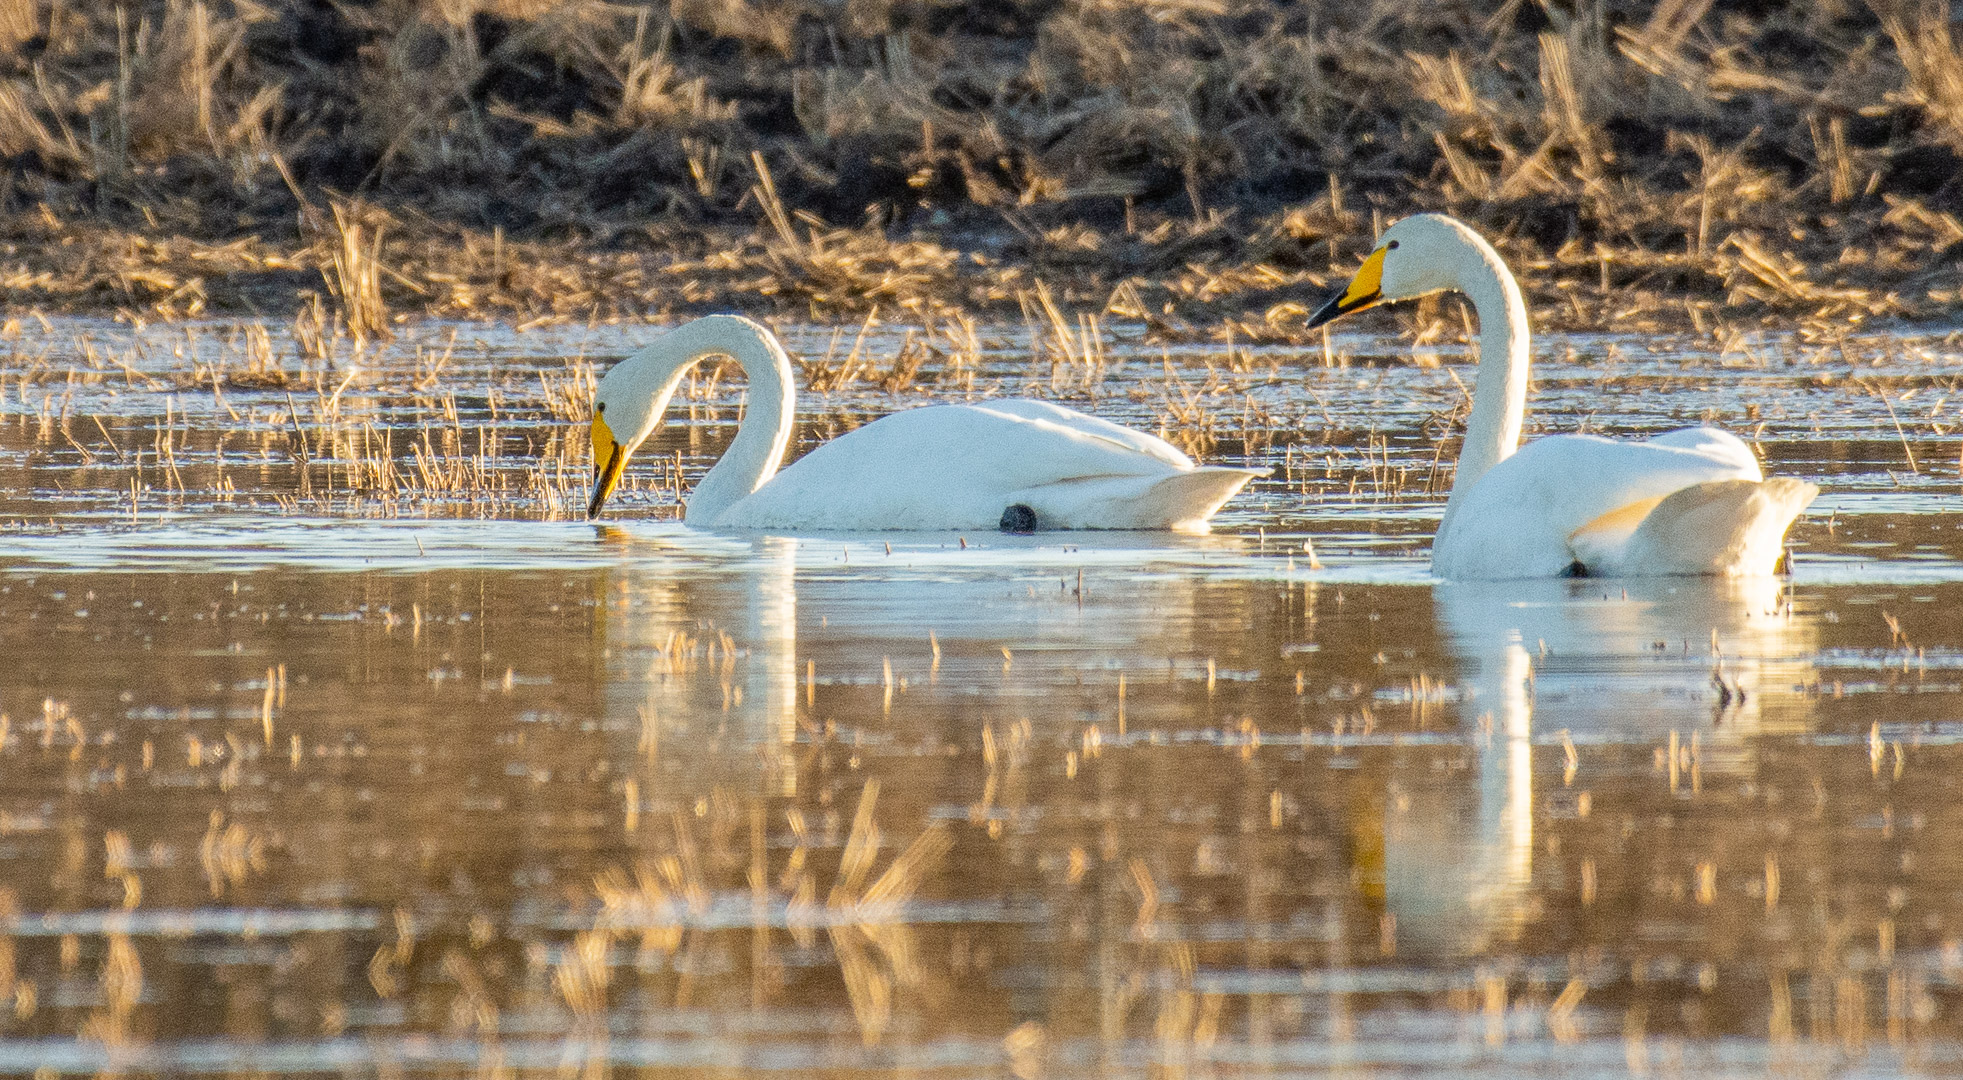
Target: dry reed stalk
[
  {"x": 22, "y": 130},
  {"x": 1931, "y": 58},
  {"x": 773, "y": 207},
  {"x": 19, "y": 21},
  {"x": 355, "y": 258}
]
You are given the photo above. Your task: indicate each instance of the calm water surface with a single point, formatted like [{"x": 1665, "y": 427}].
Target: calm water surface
[{"x": 332, "y": 745}]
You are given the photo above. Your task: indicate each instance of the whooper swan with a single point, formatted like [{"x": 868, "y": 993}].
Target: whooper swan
[
  {"x": 1686, "y": 502},
  {"x": 1017, "y": 465}
]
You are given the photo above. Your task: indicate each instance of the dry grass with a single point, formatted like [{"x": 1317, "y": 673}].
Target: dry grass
[
  {"x": 1195, "y": 165},
  {"x": 381, "y": 437},
  {"x": 1925, "y": 43},
  {"x": 354, "y": 275}
]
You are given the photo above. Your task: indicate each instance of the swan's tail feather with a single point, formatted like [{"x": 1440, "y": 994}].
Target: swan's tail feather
[
  {"x": 1733, "y": 528},
  {"x": 1182, "y": 500},
  {"x": 1189, "y": 499}
]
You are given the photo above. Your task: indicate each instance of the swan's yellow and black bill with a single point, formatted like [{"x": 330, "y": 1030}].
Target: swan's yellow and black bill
[
  {"x": 1366, "y": 289},
  {"x": 608, "y": 457}
]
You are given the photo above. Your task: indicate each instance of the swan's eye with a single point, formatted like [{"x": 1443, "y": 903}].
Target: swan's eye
[{"x": 1392, "y": 246}]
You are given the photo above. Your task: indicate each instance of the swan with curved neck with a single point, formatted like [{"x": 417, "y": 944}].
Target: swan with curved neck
[
  {"x": 1692, "y": 501},
  {"x": 1018, "y": 465}
]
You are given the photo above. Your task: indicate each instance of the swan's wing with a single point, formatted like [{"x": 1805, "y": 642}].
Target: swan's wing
[
  {"x": 1087, "y": 424},
  {"x": 1520, "y": 518},
  {"x": 939, "y": 467},
  {"x": 1732, "y": 528}
]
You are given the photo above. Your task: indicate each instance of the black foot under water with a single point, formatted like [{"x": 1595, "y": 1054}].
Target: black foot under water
[{"x": 1018, "y": 519}]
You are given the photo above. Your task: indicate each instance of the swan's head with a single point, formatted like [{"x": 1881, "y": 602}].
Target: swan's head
[
  {"x": 628, "y": 405},
  {"x": 630, "y": 400},
  {"x": 609, "y": 456},
  {"x": 1418, "y": 256},
  {"x": 625, "y": 413}
]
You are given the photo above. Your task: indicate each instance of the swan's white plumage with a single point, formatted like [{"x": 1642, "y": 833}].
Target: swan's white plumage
[
  {"x": 936, "y": 467},
  {"x": 1521, "y": 518},
  {"x": 959, "y": 466},
  {"x": 1691, "y": 501},
  {"x": 1722, "y": 526}
]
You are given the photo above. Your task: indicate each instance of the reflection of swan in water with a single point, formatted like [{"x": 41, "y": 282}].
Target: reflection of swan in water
[
  {"x": 1559, "y": 656},
  {"x": 706, "y": 658},
  {"x": 676, "y": 591},
  {"x": 1635, "y": 659},
  {"x": 1457, "y": 859}
]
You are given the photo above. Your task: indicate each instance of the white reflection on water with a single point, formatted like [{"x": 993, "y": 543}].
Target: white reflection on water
[
  {"x": 1656, "y": 643},
  {"x": 666, "y": 614},
  {"x": 243, "y": 541},
  {"x": 1454, "y": 874},
  {"x": 1585, "y": 657}
]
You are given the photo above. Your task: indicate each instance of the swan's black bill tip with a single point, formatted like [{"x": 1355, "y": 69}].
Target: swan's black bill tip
[
  {"x": 604, "y": 479},
  {"x": 1335, "y": 308},
  {"x": 1017, "y": 519}
]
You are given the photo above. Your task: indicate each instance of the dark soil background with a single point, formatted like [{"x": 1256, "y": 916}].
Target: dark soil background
[{"x": 1207, "y": 166}]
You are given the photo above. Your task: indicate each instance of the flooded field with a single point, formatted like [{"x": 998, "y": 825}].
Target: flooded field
[{"x": 334, "y": 741}]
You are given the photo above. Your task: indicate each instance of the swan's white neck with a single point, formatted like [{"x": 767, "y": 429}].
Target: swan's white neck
[
  {"x": 1499, "y": 393},
  {"x": 768, "y": 419}
]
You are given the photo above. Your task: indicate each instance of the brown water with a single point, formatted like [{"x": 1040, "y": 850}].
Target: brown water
[{"x": 351, "y": 778}]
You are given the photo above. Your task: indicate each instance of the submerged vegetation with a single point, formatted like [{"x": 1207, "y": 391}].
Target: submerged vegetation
[{"x": 1197, "y": 165}]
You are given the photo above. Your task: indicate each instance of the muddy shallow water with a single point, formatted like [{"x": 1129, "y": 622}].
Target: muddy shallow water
[{"x": 334, "y": 743}]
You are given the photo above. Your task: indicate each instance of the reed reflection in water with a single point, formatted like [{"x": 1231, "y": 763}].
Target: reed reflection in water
[{"x": 694, "y": 803}]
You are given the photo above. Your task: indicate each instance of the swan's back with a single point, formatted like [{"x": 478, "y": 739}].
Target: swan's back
[
  {"x": 960, "y": 466},
  {"x": 1084, "y": 423}
]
